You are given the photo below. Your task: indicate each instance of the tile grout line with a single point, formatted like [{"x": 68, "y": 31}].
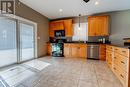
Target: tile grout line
[
  {"x": 80, "y": 75},
  {"x": 96, "y": 76}
]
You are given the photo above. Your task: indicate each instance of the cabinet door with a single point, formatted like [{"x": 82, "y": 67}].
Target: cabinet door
[
  {"x": 82, "y": 51},
  {"x": 74, "y": 50},
  {"x": 55, "y": 25},
  {"x": 98, "y": 26},
  {"x": 102, "y": 50},
  {"x": 68, "y": 28},
  {"x": 67, "y": 50},
  {"x": 49, "y": 49},
  {"x": 51, "y": 31},
  {"x": 102, "y": 25},
  {"x": 109, "y": 58},
  {"x": 92, "y": 26},
  {"x": 105, "y": 29},
  {"x": 59, "y": 25}
]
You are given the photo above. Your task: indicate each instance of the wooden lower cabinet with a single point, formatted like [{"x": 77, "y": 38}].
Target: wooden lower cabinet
[
  {"x": 75, "y": 50},
  {"x": 109, "y": 55},
  {"x": 82, "y": 51},
  {"x": 67, "y": 50},
  {"x": 120, "y": 63},
  {"x": 49, "y": 49},
  {"x": 102, "y": 52}
]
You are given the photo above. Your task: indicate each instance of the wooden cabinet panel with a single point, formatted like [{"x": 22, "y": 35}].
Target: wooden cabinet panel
[
  {"x": 98, "y": 26},
  {"x": 75, "y": 50},
  {"x": 67, "y": 50},
  {"x": 102, "y": 50},
  {"x": 49, "y": 49},
  {"x": 82, "y": 51},
  {"x": 109, "y": 48},
  {"x": 92, "y": 26},
  {"x": 122, "y": 76},
  {"x": 102, "y": 26},
  {"x": 61, "y": 25},
  {"x": 109, "y": 56},
  {"x": 122, "y": 51},
  {"x": 57, "y": 25},
  {"x": 68, "y": 28},
  {"x": 120, "y": 63}
]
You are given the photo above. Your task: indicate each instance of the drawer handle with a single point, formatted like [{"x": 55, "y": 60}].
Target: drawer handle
[
  {"x": 114, "y": 68},
  {"x": 78, "y": 47},
  {"x": 121, "y": 75},
  {"x": 124, "y": 51},
  {"x": 122, "y": 62},
  {"x": 116, "y": 49}
]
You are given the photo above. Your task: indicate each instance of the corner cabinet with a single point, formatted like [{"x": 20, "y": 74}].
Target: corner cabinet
[{"x": 98, "y": 25}]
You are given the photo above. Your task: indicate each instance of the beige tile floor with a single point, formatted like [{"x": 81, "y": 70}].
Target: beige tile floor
[{"x": 72, "y": 72}]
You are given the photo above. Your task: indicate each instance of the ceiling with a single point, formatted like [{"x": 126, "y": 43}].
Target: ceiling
[{"x": 50, "y": 8}]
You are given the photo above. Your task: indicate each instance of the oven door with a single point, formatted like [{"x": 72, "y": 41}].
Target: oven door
[{"x": 57, "y": 49}]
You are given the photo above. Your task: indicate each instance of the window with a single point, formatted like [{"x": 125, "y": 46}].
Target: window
[{"x": 82, "y": 34}]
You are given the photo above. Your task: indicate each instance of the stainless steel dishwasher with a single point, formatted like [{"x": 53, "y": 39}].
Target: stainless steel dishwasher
[{"x": 93, "y": 51}]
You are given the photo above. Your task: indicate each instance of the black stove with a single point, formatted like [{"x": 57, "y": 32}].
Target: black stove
[{"x": 58, "y": 48}]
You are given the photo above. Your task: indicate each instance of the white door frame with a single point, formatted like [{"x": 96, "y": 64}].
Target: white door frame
[{"x": 18, "y": 19}]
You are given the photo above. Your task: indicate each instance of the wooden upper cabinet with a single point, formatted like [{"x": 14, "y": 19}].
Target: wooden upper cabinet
[
  {"x": 61, "y": 25},
  {"x": 92, "y": 26},
  {"x": 57, "y": 25},
  {"x": 68, "y": 28},
  {"x": 98, "y": 25}
]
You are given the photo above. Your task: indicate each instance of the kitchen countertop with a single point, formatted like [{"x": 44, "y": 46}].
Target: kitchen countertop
[
  {"x": 82, "y": 42},
  {"x": 120, "y": 45}
]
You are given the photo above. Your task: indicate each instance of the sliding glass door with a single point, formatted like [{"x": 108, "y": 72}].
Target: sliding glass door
[
  {"x": 8, "y": 47},
  {"x": 27, "y": 48},
  {"x": 17, "y": 41}
]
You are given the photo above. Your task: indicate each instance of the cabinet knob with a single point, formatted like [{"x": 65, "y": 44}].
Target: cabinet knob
[
  {"x": 121, "y": 75},
  {"x": 124, "y": 51},
  {"x": 114, "y": 68},
  {"x": 122, "y": 62}
]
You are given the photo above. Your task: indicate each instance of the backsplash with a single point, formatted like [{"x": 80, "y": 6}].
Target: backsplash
[{"x": 96, "y": 38}]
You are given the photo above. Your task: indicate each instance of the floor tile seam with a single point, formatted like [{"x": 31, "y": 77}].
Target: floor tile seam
[
  {"x": 99, "y": 85},
  {"x": 80, "y": 75},
  {"x": 31, "y": 68}
]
